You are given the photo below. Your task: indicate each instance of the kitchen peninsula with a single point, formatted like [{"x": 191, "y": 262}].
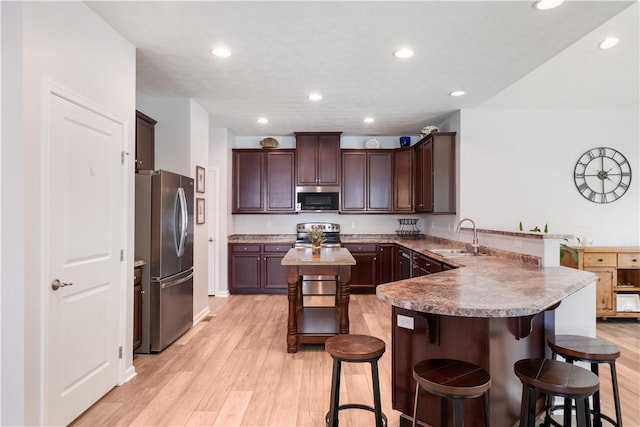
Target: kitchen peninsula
[
  {"x": 490, "y": 312},
  {"x": 314, "y": 325}
]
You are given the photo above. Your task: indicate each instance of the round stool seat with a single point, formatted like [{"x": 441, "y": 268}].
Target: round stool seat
[
  {"x": 584, "y": 348},
  {"x": 451, "y": 378},
  {"x": 354, "y": 347},
  {"x": 557, "y": 378}
]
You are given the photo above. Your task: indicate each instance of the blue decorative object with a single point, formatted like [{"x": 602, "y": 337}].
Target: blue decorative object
[{"x": 405, "y": 141}]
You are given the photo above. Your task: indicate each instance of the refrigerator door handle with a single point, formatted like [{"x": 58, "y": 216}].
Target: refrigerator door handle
[
  {"x": 176, "y": 282},
  {"x": 184, "y": 222}
]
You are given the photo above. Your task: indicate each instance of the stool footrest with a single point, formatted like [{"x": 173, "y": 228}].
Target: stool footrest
[
  {"x": 550, "y": 410},
  {"x": 356, "y": 406}
]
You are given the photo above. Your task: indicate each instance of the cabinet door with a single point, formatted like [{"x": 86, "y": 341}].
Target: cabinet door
[
  {"x": 245, "y": 271},
  {"x": 403, "y": 180},
  {"x": 605, "y": 303},
  {"x": 379, "y": 184},
  {"x": 306, "y": 159},
  {"x": 423, "y": 177},
  {"x": 137, "y": 308},
  {"x": 145, "y": 141},
  {"x": 329, "y": 159},
  {"x": 248, "y": 186},
  {"x": 386, "y": 262},
  {"x": 280, "y": 172},
  {"x": 353, "y": 193}
]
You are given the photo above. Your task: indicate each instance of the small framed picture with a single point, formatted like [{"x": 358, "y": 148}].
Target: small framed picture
[
  {"x": 199, "y": 210},
  {"x": 199, "y": 179}
]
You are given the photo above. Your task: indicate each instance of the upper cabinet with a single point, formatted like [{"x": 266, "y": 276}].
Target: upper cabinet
[
  {"x": 435, "y": 174},
  {"x": 367, "y": 181},
  {"x": 403, "y": 180},
  {"x": 263, "y": 181},
  {"x": 318, "y": 158},
  {"x": 145, "y": 141}
]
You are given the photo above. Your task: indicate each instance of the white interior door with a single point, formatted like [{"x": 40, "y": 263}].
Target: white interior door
[{"x": 83, "y": 237}]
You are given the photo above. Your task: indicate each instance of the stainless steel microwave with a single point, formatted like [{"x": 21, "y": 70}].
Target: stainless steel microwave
[{"x": 317, "y": 199}]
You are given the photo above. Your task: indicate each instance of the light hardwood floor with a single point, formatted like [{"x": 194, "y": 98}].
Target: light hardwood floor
[{"x": 233, "y": 370}]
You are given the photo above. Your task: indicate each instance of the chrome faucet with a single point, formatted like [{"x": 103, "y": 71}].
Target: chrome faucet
[{"x": 475, "y": 244}]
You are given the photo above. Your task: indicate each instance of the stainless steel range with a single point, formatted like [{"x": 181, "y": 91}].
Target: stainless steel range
[
  {"x": 331, "y": 234},
  {"x": 318, "y": 290}
]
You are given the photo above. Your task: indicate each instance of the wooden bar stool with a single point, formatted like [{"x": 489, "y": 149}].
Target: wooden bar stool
[
  {"x": 576, "y": 348},
  {"x": 555, "y": 378},
  {"x": 451, "y": 380},
  {"x": 355, "y": 349}
]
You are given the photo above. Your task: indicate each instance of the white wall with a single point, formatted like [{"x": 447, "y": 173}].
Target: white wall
[
  {"x": 199, "y": 141},
  {"x": 92, "y": 60}
]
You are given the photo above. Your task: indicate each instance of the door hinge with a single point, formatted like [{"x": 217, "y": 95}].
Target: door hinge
[
  {"x": 120, "y": 352},
  {"x": 121, "y": 254}
]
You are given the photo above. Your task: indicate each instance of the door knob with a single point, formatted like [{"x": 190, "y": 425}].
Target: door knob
[{"x": 57, "y": 284}]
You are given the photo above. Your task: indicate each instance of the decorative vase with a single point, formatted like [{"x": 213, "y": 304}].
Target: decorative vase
[{"x": 315, "y": 247}]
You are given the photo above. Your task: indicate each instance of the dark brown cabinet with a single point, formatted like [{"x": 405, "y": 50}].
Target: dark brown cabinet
[
  {"x": 256, "y": 268},
  {"x": 318, "y": 158},
  {"x": 145, "y": 141},
  {"x": 386, "y": 261},
  {"x": 422, "y": 265},
  {"x": 137, "y": 308},
  {"x": 403, "y": 180},
  {"x": 263, "y": 181},
  {"x": 367, "y": 181},
  {"x": 364, "y": 273},
  {"x": 435, "y": 174}
]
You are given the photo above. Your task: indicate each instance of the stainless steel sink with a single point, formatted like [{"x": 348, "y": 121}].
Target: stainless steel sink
[{"x": 449, "y": 252}]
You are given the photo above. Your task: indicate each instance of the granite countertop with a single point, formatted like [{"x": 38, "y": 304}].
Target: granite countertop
[
  {"x": 327, "y": 256},
  {"x": 486, "y": 287}
]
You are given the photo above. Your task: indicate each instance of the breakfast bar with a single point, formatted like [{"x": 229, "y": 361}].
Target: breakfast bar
[
  {"x": 490, "y": 313},
  {"x": 314, "y": 325}
]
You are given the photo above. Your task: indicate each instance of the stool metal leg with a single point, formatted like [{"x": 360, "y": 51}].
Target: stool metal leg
[
  {"x": 415, "y": 407},
  {"x": 335, "y": 394},
  {"x": 458, "y": 413},
  {"x": 616, "y": 395},
  {"x": 377, "y": 404}
]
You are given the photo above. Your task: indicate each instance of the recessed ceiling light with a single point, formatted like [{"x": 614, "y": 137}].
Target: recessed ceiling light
[
  {"x": 315, "y": 97},
  {"x": 608, "y": 43},
  {"x": 457, "y": 93},
  {"x": 222, "y": 52},
  {"x": 369, "y": 120},
  {"x": 263, "y": 120},
  {"x": 403, "y": 53},
  {"x": 547, "y": 4}
]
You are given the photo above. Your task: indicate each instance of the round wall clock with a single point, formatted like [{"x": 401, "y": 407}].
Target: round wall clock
[{"x": 602, "y": 175}]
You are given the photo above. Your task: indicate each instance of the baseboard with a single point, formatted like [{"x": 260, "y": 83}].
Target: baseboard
[{"x": 198, "y": 317}]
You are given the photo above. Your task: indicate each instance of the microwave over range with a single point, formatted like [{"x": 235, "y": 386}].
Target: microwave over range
[{"x": 317, "y": 199}]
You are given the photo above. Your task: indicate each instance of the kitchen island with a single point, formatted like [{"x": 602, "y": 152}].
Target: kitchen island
[
  {"x": 314, "y": 325},
  {"x": 489, "y": 312}
]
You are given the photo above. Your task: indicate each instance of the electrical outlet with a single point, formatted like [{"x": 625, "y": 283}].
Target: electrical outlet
[{"x": 405, "y": 322}]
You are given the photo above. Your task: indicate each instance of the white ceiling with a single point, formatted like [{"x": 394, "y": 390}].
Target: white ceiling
[{"x": 282, "y": 51}]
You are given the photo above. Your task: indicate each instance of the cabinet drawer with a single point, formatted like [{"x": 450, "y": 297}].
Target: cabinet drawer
[
  {"x": 628, "y": 260},
  {"x": 426, "y": 263},
  {"x": 277, "y": 248},
  {"x": 600, "y": 260},
  {"x": 245, "y": 248},
  {"x": 361, "y": 247}
]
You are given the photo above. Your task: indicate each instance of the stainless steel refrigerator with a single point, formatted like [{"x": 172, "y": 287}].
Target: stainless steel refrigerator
[{"x": 164, "y": 239}]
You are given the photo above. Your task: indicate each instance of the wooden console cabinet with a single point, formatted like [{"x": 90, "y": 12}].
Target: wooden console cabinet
[{"x": 618, "y": 270}]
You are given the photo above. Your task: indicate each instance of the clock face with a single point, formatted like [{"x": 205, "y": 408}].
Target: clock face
[{"x": 602, "y": 175}]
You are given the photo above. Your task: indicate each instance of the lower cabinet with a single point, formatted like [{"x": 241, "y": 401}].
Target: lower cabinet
[
  {"x": 137, "y": 307},
  {"x": 364, "y": 273},
  {"x": 255, "y": 268},
  {"x": 422, "y": 265}
]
